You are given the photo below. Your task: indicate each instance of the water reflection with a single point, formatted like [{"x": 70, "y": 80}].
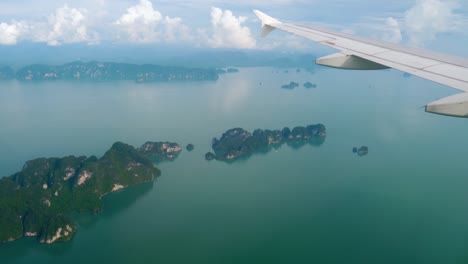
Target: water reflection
[
  {"x": 115, "y": 203},
  {"x": 15, "y": 251},
  {"x": 314, "y": 141}
]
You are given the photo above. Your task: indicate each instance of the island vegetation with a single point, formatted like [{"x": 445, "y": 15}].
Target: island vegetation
[
  {"x": 37, "y": 201},
  {"x": 108, "y": 71},
  {"x": 161, "y": 151},
  {"x": 238, "y": 143}
]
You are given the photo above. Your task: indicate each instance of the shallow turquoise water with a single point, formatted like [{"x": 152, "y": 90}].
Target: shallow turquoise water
[{"x": 406, "y": 202}]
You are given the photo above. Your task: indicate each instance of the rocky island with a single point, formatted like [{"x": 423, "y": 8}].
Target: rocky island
[
  {"x": 108, "y": 71},
  {"x": 290, "y": 86},
  {"x": 36, "y": 201},
  {"x": 362, "y": 151},
  {"x": 309, "y": 85},
  {"x": 190, "y": 147},
  {"x": 238, "y": 143}
]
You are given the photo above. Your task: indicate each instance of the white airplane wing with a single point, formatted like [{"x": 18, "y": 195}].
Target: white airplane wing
[{"x": 357, "y": 53}]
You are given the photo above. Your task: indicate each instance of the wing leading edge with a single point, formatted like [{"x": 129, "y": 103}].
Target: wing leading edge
[{"x": 363, "y": 54}]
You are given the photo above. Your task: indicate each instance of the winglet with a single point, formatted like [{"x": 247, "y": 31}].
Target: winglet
[{"x": 267, "y": 22}]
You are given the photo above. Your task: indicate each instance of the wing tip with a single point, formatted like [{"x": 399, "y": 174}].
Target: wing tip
[
  {"x": 267, "y": 22},
  {"x": 266, "y": 19}
]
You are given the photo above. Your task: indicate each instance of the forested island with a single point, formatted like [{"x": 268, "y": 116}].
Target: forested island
[
  {"x": 36, "y": 201},
  {"x": 108, "y": 71},
  {"x": 238, "y": 143}
]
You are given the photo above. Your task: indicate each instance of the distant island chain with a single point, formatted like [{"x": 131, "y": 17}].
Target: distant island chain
[{"x": 111, "y": 71}]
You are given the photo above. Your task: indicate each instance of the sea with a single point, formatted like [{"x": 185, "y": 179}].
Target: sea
[{"x": 404, "y": 202}]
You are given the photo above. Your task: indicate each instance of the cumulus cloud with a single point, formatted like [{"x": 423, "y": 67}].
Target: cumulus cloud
[
  {"x": 10, "y": 33},
  {"x": 228, "y": 31},
  {"x": 430, "y": 17},
  {"x": 418, "y": 25},
  {"x": 66, "y": 25},
  {"x": 392, "y": 31},
  {"x": 143, "y": 24}
]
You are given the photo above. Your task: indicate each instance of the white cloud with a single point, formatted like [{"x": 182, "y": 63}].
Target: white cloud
[
  {"x": 10, "y": 33},
  {"x": 228, "y": 31},
  {"x": 143, "y": 24},
  {"x": 66, "y": 25},
  {"x": 419, "y": 25},
  {"x": 392, "y": 31},
  {"x": 430, "y": 17}
]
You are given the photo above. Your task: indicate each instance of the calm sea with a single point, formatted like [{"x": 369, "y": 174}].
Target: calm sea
[{"x": 406, "y": 202}]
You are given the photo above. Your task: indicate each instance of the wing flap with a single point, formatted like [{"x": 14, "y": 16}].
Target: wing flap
[
  {"x": 423, "y": 73},
  {"x": 452, "y": 71},
  {"x": 407, "y": 59}
]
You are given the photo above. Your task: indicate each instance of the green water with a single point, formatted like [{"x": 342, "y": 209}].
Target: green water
[{"x": 406, "y": 202}]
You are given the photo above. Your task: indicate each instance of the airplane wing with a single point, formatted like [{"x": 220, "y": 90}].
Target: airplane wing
[{"x": 356, "y": 53}]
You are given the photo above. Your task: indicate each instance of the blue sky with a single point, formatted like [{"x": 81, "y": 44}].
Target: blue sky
[{"x": 222, "y": 24}]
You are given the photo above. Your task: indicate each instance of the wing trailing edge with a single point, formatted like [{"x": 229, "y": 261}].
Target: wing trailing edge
[{"x": 358, "y": 53}]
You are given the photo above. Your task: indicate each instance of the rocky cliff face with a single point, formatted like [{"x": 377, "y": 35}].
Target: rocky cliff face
[{"x": 161, "y": 151}]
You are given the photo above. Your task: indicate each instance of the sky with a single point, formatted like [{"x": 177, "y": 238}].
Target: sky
[{"x": 223, "y": 24}]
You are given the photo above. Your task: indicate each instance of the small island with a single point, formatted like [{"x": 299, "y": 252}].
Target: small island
[
  {"x": 36, "y": 201},
  {"x": 362, "y": 151},
  {"x": 228, "y": 70},
  {"x": 309, "y": 85},
  {"x": 210, "y": 156},
  {"x": 190, "y": 147},
  {"x": 290, "y": 86},
  {"x": 238, "y": 143}
]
